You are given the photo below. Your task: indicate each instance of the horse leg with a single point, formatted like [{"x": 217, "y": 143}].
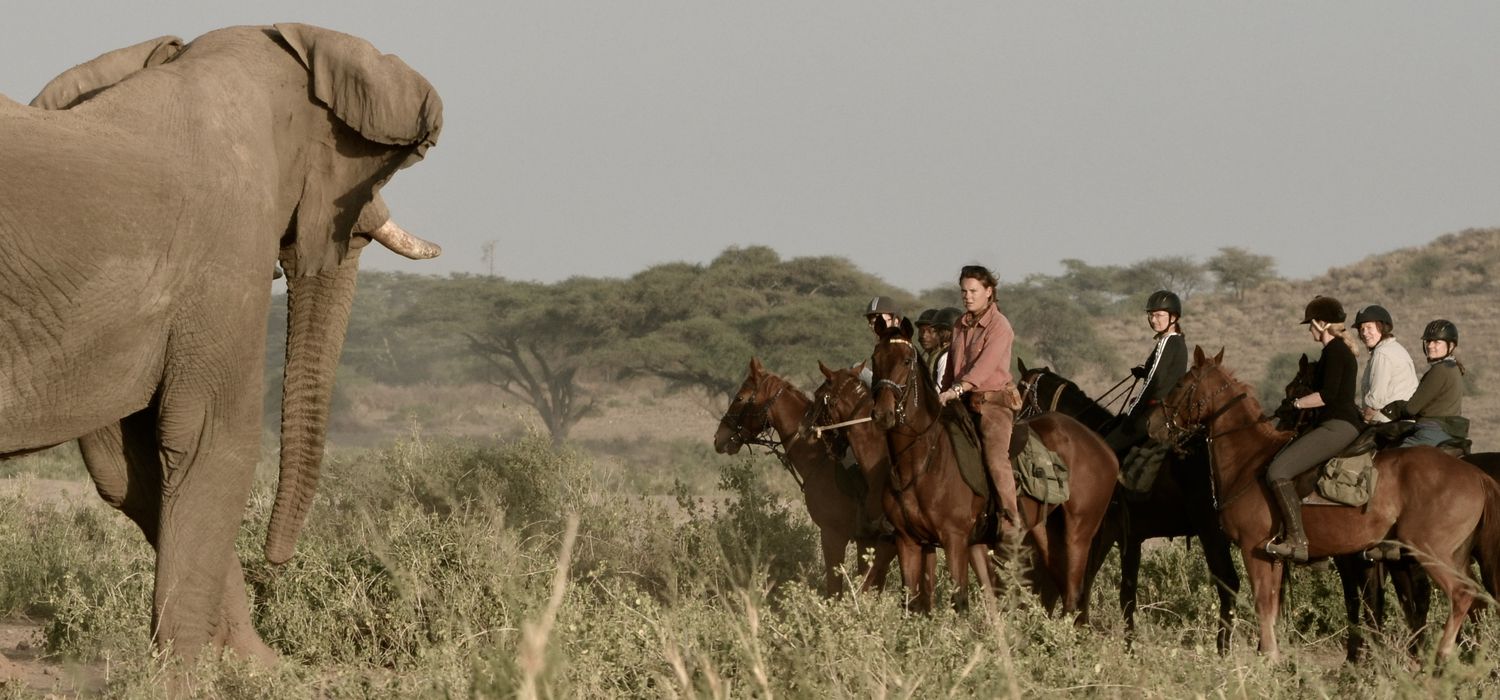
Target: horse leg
[
  {"x": 979, "y": 558},
  {"x": 880, "y": 565},
  {"x": 1414, "y": 592},
  {"x": 929, "y": 574},
  {"x": 1265, "y": 582},
  {"x": 1362, "y": 604},
  {"x": 1075, "y": 557},
  {"x": 1130, "y": 574},
  {"x": 1447, "y": 577},
  {"x": 834, "y": 545},
  {"x": 1226, "y": 580},
  {"x": 918, "y": 596},
  {"x": 958, "y": 570}
]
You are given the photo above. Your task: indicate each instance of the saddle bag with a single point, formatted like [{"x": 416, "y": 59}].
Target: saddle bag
[
  {"x": 1348, "y": 480},
  {"x": 1141, "y": 466},
  {"x": 1040, "y": 473}
]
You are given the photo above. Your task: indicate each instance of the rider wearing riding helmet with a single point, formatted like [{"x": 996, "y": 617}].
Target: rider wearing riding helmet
[
  {"x": 942, "y": 325},
  {"x": 1437, "y": 404},
  {"x": 1163, "y": 368},
  {"x": 1389, "y": 374},
  {"x": 879, "y": 309},
  {"x": 1333, "y": 386}
]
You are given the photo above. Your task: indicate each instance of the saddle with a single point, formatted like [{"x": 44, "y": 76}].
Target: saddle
[
  {"x": 1348, "y": 479},
  {"x": 1040, "y": 474}
]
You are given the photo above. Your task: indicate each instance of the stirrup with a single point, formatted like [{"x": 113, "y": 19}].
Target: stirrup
[{"x": 1296, "y": 552}]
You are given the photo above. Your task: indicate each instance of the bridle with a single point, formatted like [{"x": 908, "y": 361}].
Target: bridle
[
  {"x": 820, "y": 410},
  {"x": 906, "y": 398},
  {"x": 1031, "y": 386},
  {"x": 761, "y": 413},
  {"x": 1179, "y": 430}
]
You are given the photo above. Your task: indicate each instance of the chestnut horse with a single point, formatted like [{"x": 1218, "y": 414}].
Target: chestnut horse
[
  {"x": 1178, "y": 505},
  {"x": 930, "y": 504},
  {"x": 1436, "y": 506},
  {"x": 766, "y": 403}
]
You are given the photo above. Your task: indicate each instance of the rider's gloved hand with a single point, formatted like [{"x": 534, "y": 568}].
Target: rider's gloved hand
[{"x": 1139, "y": 372}]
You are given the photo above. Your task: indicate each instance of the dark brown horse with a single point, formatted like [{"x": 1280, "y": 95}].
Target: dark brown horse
[
  {"x": 1179, "y": 503},
  {"x": 1363, "y": 580},
  {"x": 767, "y": 403},
  {"x": 1438, "y": 507},
  {"x": 930, "y": 504}
]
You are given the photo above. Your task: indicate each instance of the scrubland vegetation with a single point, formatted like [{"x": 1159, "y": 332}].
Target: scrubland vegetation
[{"x": 429, "y": 565}]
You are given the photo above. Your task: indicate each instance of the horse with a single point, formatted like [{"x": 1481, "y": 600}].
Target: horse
[
  {"x": 844, "y": 398},
  {"x": 1179, "y": 503},
  {"x": 1362, "y": 579},
  {"x": 765, "y": 403},
  {"x": 930, "y": 504},
  {"x": 1436, "y": 506}
]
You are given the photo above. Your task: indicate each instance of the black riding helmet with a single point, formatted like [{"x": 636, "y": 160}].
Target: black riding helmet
[
  {"x": 1163, "y": 300},
  {"x": 946, "y": 317},
  {"x": 927, "y": 318},
  {"x": 1441, "y": 329},
  {"x": 1324, "y": 310},
  {"x": 1373, "y": 312}
]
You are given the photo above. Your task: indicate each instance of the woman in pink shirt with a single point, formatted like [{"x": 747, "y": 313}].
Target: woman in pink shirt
[{"x": 979, "y": 368}]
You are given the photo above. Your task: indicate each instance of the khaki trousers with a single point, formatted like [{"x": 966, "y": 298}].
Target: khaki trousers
[{"x": 995, "y": 425}]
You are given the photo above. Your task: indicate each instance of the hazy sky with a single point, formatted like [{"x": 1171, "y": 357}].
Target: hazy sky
[{"x": 599, "y": 138}]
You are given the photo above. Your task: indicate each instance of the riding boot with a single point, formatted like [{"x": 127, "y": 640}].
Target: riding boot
[{"x": 1293, "y": 544}]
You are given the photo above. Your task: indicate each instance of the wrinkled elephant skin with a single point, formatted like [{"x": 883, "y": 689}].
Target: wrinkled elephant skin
[{"x": 145, "y": 199}]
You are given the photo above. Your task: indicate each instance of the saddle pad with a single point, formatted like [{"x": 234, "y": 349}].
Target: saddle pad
[{"x": 966, "y": 448}]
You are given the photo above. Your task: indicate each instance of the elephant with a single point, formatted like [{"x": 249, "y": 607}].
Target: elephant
[{"x": 146, "y": 197}]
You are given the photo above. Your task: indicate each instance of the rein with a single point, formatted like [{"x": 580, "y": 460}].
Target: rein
[{"x": 1180, "y": 434}]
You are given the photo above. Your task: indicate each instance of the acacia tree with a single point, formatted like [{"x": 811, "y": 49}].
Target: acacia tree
[
  {"x": 1239, "y": 270},
  {"x": 537, "y": 339}
]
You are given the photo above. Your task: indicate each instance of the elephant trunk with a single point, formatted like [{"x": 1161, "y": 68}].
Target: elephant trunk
[{"x": 317, "y": 319}]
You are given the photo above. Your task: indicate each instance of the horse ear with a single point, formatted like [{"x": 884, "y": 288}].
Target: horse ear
[
  {"x": 824, "y": 369},
  {"x": 755, "y": 366},
  {"x": 907, "y": 329},
  {"x": 1219, "y": 358},
  {"x": 1198, "y": 356},
  {"x": 1021, "y": 365},
  {"x": 1303, "y": 361}
]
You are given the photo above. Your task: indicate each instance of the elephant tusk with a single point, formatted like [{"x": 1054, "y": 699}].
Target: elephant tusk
[{"x": 404, "y": 244}]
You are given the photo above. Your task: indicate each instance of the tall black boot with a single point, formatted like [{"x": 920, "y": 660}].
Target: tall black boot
[{"x": 1293, "y": 544}]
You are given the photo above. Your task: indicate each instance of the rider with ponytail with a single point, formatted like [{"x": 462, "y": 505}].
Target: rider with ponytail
[{"x": 1333, "y": 384}]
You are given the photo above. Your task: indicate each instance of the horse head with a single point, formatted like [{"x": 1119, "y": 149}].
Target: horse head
[
  {"x": 898, "y": 378},
  {"x": 1287, "y": 417},
  {"x": 1204, "y": 393},
  {"x": 748, "y": 415},
  {"x": 842, "y": 396}
]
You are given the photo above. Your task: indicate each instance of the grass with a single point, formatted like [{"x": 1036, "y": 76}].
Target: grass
[{"x": 453, "y": 569}]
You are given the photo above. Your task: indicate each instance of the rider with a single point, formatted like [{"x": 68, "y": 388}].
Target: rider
[
  {"x": 942, "y": 324},
  {"x": 1389, "y": 375},
  {"x": 927, "y": 338},
  {"x": 1333, "y": 389},
  {"x": 879, "y": 308},
  {"x": 979, "y": 367},
  {"x": 1163, "y": 368},
  {"x": 1437, "y": 404}
]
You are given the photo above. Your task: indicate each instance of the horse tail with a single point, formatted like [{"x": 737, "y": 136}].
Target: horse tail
[{"x": 1487, "y": 543}]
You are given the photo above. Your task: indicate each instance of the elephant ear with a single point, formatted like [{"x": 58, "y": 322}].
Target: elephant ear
[
  {"x": 375, "y": 94},
  {"x": 84, "y": 80}
]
